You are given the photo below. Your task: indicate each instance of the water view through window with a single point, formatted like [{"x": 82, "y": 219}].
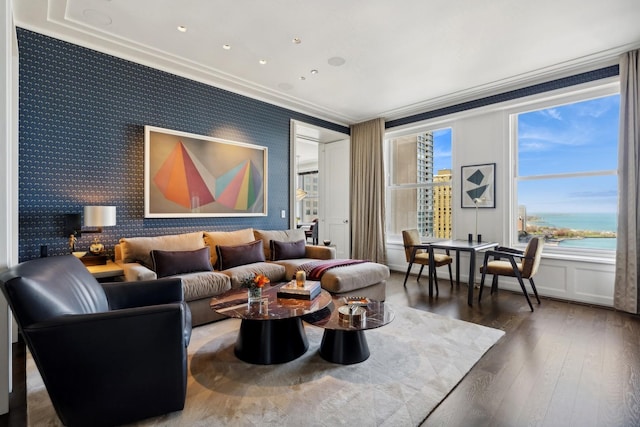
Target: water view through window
[{"x": 567, "y": 174}]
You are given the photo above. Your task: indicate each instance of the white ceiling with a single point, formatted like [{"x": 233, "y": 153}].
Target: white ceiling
[{"x": 401, "y": 57}]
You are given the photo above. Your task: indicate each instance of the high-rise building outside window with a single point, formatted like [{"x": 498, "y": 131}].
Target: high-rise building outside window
[
  {"x": 416, "y": 196},
  {"x": 566, "y": 174}
]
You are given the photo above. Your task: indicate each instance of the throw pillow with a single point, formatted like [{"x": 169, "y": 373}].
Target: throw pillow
[
  {"x": 287, "y": 250},
  {"x": 170, "y": 263},
  {"x": 138, "y": 249},
  {"x": 233, "y": 256},
  {"x": 226, "y": 238},
  {"x": 267, "y": 236}
]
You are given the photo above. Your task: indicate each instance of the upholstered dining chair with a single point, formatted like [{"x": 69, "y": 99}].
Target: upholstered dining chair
[
  {"x": 514, "y": 263},
  {"x": 312, "y": 232},
  {"x": 108, "y": 353},
  {"x": 418, "y": 253}
]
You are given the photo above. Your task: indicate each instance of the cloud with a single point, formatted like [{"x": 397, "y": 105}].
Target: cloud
[
  {"x": 525, "y": 146},
  {"x": 552, "y": 113},
  {"x": 441, "y": 153},
  {"x": 593, "y": 194}
]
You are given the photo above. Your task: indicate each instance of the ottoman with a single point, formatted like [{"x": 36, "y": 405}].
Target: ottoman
[{"x": 368, "y": 279}]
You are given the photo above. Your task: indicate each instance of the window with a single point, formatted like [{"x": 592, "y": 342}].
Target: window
[
  {"x": 419, "y": 183},
  {"x": 566, "y": 181},
  {"x": 308, "y": 182}
]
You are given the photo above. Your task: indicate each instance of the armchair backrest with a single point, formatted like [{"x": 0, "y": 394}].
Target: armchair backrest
[
  {"x": 46, "y": 288},
  {"x": 532, "y": 255},
  {"x": 411, "y": 238}
]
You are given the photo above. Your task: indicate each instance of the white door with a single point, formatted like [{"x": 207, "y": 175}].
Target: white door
[{"x": 334, "y": 177}]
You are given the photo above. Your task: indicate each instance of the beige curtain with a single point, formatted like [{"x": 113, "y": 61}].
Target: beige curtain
[
  {"x": 367, "y": 191},
  {"x": 626, "y": 292}
]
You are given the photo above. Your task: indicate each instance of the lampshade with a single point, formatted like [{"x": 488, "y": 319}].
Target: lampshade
[
  {"x": 99, "y": 216},
  {"x": 300, "y": 194}
]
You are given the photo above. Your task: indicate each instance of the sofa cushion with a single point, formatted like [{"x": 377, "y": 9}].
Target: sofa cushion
[
  {"x": 204, "y": 284},
  {"x": 280, "y": 235},
  {"x": 170, "y": 263},
  {"x": 287, "y": 250},
  {"x": 293, "y": 265},
  {"x": 226, "y": 238},
  {"x": 233, "y": 256},
  {"x": 138, "y": 249},
  {"x": 275, "y": 272}
]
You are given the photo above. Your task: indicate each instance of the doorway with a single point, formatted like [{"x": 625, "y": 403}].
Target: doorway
[{"x": 320, "y": 185}]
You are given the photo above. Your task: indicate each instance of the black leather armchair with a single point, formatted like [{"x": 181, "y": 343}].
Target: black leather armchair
[{"x": 108, "y": 353}]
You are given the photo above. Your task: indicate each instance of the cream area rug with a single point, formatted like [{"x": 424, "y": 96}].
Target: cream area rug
[{"x": 415, "y": 361}]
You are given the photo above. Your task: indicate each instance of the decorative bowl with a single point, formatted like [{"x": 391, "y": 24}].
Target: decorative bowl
[
  {"x": 326, "y": 242},
  {"x": 79, "y": 254}
]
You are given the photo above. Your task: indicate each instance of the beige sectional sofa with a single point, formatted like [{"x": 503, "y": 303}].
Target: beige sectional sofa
[{"x": 211, "y": 263}]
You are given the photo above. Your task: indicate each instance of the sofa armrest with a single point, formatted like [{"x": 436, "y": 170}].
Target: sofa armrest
[
  {"x": 320, "y": 252},
  {"x": 134, "y": 272},
  {"x": 143, "y": 293}
]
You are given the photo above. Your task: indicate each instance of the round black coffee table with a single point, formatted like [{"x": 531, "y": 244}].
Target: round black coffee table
[
  {"x": 271, "y": 330},
  {"x": 344, "y": 341}
]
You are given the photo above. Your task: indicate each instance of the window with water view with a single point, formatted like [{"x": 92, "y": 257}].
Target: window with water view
[{"x": 567, "y": 188}]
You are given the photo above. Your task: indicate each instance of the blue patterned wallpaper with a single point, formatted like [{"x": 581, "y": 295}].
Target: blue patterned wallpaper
[{"x": 81, "y": 123}]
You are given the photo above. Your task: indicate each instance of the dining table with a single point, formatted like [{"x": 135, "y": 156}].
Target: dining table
[{"x": 458, "y": 245}]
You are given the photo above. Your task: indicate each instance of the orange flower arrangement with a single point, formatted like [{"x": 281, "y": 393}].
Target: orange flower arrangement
[{"x": 258, "y": 281}]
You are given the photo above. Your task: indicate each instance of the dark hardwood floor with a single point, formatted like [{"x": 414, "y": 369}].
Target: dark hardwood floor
[{"x": 565, "y": 364}]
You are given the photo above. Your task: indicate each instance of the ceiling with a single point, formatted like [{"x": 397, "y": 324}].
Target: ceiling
[{"x": 374, "y": 58}]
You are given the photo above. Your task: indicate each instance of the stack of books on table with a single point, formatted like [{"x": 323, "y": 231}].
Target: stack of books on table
[{"x": 309, "y": 291}]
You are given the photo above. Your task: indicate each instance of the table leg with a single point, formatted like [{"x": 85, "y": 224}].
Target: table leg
[
  {"x": 344, "y": 347},
  {"x": 265, "y": 342},
  {"x": 457, "y": 267},
  {"x": 472, "y": 270},
  {"x": 432, "y": 267}
]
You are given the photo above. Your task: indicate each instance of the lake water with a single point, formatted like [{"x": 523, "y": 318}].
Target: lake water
[
  {"x": 578, "y": 221},
  {"x": 581, "y": 221}
]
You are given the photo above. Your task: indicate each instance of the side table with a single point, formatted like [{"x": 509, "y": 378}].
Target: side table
[
  {"x": 110, "y": 270},
  {"x": 344, "y": 342}
]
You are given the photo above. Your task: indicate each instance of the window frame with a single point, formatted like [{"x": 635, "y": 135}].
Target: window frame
[
  {"x": 406, "y": 131},
  {"x": 569, "y": 95}
]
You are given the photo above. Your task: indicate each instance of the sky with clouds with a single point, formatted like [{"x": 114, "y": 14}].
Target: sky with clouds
[{"x": 567, "y": 139}]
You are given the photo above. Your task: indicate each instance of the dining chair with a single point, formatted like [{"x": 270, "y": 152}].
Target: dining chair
[
  {"x": 519, "y": 264},
  {"x": 417, "y": 252},
  {"x": 312, "y": 232}
]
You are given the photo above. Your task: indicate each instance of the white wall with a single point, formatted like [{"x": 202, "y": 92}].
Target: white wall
[
  {"x": 483, "y": 136},
  {"x": 9, "y": 184}
]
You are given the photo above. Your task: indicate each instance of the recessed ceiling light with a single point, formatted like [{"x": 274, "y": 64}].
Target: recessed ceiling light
[
  {"x": 262, "y": 61},
  {"x": 296, "y": 40},
  {"x": 336, "y": 61},
  {"x": 314, "y": 71},
  {"x": 303, "y": 78},
  {"x": 182, "y": 28},
  {"x": 226, "y": 46}
]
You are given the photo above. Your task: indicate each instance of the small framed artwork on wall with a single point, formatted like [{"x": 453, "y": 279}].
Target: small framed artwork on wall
[
  {"x": 478, "y": 186},
  {"x": 188, "y": 175}
]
